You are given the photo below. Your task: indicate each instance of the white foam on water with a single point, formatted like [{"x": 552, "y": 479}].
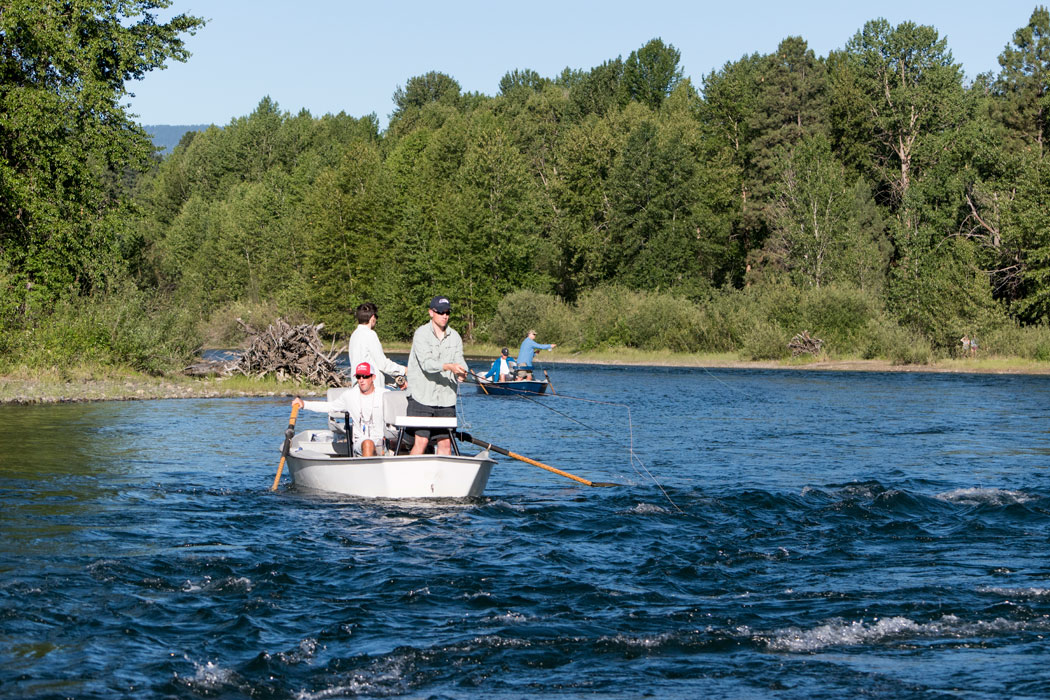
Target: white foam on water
[
  {"x": 207, "y": 676},
  {"x": 984, "y": 496},
  {"x": 878, "y": 631},
  {"x": 1016, "y": 592},
  {"x": 642, "y": 642},
  {"x": 648, "y": 509},
  {"x": 509, "y": 617}
]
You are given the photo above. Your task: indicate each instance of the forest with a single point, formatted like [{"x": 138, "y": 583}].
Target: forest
[{"x": 873, "y": 197}]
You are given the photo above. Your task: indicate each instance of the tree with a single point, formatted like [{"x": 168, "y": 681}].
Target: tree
[
  {"x": 651, "y": 73},
  {"x": 790, "y": 105},
  {"x": 66, "y": 140},
  {"x": 516, "y": 80},
  {"x": 1023, "y": 85},
  {"x": 909, "y": 88},
  {"x": 432, "y": 88},
  {"x": 821, "y": 233}
]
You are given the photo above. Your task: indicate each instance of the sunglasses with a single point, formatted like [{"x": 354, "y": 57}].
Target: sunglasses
[{"x": 363, "y": 376}]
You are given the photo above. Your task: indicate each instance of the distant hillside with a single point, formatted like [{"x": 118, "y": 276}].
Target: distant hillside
[{"x": 167, "y": 136}]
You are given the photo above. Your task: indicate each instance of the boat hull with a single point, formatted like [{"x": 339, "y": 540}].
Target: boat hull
[
  {"x": 314, "y": 465},
  {"x": 524, "y": 386}
]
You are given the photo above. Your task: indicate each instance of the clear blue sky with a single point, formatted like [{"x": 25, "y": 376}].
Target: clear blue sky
[{"x": 331, "y": 56}]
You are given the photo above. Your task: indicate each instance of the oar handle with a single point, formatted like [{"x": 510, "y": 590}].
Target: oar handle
[
  {"x": 288, "y": 433},
  {"x": 467, "y": 437}
]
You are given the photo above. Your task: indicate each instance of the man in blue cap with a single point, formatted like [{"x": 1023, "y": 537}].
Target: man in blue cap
[{"x": 435, "y": 367}]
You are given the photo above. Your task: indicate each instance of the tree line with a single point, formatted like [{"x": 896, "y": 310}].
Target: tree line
[{"x": 876, "y": 174}]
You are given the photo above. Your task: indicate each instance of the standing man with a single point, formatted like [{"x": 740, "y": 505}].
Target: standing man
[
  {"x": 365, "y": 346},
  {"x": 435, "y": 368},
  {"x": 528, "y": 348},
  {"x": 364, "y": 403}
]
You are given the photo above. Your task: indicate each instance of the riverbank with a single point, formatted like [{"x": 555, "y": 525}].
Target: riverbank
[{"x": 53, "y": 385}]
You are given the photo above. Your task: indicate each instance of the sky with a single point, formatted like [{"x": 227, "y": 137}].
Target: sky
[{"x": 331, "y": 56}]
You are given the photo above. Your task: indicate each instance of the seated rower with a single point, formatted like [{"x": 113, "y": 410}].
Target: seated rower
[
  {"x": 501, "y": 370},
  {"x": 364, "y": 404}
]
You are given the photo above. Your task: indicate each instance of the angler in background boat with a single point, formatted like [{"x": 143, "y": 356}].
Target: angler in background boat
[
  {"x": 502, "y": 369},
  {"x": 364, "y": 405},
  {"x": 435, "y": 367},
  {"x": 364, "y": 346},
  {"x": 528, "y": 348}
]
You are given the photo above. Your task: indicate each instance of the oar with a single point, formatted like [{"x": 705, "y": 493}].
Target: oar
[
  {"x": 489, "y": 446},
  {"x": 549, "y": 382},
  {"x": 289, "y": 431}
]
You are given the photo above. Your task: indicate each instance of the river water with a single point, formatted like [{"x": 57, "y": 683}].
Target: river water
[{"x": 784, "y": 534}]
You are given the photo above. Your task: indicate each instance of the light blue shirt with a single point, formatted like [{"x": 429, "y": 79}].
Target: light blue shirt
[{"x": 527, "y": 350}]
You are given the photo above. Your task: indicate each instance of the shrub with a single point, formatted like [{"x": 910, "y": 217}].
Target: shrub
[
  {"x": 523, "y": 310},
  {"x": 127, "y": 327},
  {"x": 1031, "y": 342},
  {"x": 766, "y": 341},
  {"x": 840, "y": 316},
  {"x": 664, "y": 322},
  {"x": 221, "y": 330},
  {"x": 886, "y": 338},
  {"x": 603, "y": 317}
]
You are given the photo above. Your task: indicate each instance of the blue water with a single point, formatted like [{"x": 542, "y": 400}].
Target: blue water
[{"x": 782, "y": 534}]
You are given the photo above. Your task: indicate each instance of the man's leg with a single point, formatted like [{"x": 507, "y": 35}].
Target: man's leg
[
  {"x": 420, "y": 444},
  {"x": 443, "y": 447}
]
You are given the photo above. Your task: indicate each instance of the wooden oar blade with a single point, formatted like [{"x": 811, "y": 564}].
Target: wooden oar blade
[{"x": 467, "y": 437}]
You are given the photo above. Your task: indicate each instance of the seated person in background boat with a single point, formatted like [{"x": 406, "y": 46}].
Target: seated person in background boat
[
  {"x": 365, "y": 346},
  {"x": 435, "y": 368},
  {"x": 528, "y": 348},
  {"x": 364, "y": 403},
  {"x": 501, "y": 370}
]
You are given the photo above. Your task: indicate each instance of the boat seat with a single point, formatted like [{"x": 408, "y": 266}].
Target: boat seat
[
  {"x": 395, "y": 406},
  {"x": 336, "y": 419}
]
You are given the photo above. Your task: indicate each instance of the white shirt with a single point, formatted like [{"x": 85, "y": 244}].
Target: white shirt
[
  {"x": 365, "y": 347},
  {"x": 366, "y": 414}
]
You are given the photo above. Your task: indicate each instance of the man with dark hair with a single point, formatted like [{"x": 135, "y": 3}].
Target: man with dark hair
[
  {"x": 502, "y": 368},
  {"x": 365, "y": 346},
  {"x": 435, "y": 368}
]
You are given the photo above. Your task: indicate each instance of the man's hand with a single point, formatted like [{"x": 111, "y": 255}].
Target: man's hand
[
  {"x": 457, "y": 369},
  {"x": 297, "y": 403}
]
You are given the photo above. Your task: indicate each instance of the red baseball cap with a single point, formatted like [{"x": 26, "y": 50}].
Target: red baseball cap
[{"x": 363, "y": 370}]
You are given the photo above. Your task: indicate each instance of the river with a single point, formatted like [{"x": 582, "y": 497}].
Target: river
[{"x": 778, "y": 534}]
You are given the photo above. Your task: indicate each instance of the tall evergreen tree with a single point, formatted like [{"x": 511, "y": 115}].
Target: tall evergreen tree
[{"x": 1023, "y": 84}]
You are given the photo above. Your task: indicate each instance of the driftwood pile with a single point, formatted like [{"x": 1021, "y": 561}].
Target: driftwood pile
[
  {"x": 289, "y": 352},
  {"x": 805, "y": 344}
]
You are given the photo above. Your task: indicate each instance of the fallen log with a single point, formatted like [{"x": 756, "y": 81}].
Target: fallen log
[
  {"x": 804, "y": 344},
  {"x": 291, "y": 353}
]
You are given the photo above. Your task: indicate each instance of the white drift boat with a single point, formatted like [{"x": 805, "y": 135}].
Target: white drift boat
[{"x": 318, "y": 460}]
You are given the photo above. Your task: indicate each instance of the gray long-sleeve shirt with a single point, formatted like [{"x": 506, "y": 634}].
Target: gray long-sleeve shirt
[{"x": 427, "y": 382}]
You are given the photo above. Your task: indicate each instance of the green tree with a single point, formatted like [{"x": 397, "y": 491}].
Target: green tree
[
  {"x": 909, "y": 89},
  {"x": 1023, "y": 84},
  {"x": 651, "y": 73},
  {"x": 349, "y": 217},
  {"x": 66, "y": 139},
  {"x": 790, "y": 105},
  {"x": 821, "y": 232}
]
